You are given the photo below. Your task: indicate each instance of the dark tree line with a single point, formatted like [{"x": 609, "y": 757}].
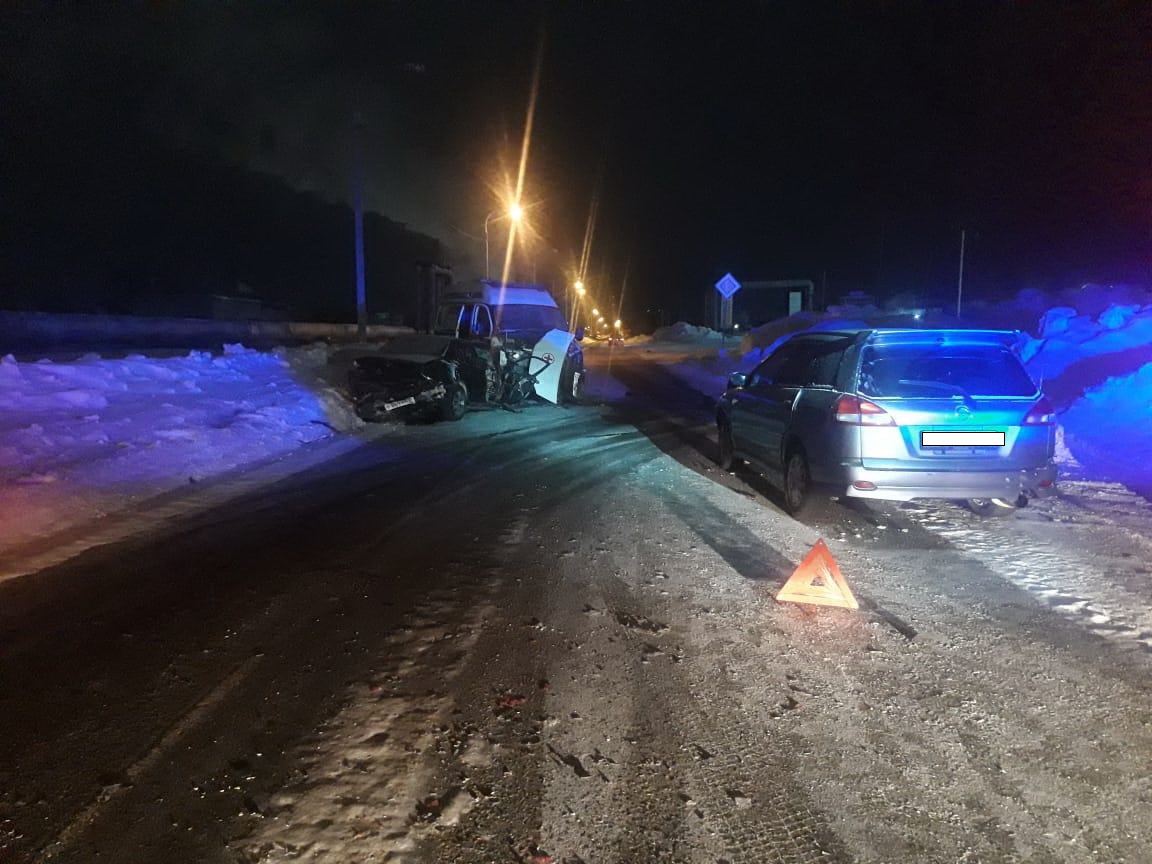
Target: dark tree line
[{"x": 149, "y": 230}]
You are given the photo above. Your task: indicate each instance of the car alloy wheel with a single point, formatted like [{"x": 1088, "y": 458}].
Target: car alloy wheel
[{"x": 797, "y": 482}]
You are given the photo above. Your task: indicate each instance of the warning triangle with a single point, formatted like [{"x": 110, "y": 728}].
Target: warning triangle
[{"x": 818, "y": 580}]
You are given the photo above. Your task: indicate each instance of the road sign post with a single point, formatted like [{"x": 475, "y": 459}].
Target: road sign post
[{"x": 727, "y": 287}]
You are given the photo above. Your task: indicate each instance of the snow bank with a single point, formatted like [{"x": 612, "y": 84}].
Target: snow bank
[
  {"x": 82, "y": 439},
  {"x": 1067, "y": 338},
  {"x": 1109, "y": 429},
  {"x": 682, "y": 331}
]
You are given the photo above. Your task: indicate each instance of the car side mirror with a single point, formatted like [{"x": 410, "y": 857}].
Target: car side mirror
[
  {"x": 579, "y": 334},
  {"x": 737, "y": 380}
]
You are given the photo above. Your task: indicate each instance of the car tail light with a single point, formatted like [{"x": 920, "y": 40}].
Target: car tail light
[
  {"x": 1042, "y": 414},
  {"x": 861, "y": 412}
]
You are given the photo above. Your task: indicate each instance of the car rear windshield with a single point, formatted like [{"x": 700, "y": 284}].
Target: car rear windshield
[
  {"x": 521, "y": 316},
  {"x": 934, "y": 372}
]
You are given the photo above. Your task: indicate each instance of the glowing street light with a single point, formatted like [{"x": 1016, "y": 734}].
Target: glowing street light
[
  {"x": 580, "y": 289},
  {"x": 617, "y": 323},
  {"x": 596, "y": 312},
  {"x": 514, "y": 213}
]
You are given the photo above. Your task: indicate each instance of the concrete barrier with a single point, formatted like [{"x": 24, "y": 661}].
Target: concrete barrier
[{"x": 22, "y": 332}]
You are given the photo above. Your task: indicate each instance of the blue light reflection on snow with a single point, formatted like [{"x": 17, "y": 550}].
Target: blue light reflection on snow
[{"x": 81, "y": 438}]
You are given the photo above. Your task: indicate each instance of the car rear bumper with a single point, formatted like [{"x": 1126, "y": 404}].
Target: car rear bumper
[{"x": 912, "y": 484}]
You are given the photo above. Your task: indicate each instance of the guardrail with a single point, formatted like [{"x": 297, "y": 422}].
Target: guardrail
[{"x": 22, "y": 332}]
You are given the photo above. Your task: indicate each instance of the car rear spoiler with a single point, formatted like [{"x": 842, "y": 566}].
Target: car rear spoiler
[{"x": 1007, "y": 338}]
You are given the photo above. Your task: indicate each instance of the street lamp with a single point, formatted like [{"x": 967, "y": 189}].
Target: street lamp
[
  {"x": 578, "y": 287},
  {"x": 596, "y": 312},
  {"x": 617, "y": 323},
  {"x": 515, "y": 213}
]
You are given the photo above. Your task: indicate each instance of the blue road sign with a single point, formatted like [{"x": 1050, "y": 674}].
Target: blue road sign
[{"x": 727, "y": 286}]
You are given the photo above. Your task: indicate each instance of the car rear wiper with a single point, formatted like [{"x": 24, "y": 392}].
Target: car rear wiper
[{"x": 939, "y": 385}]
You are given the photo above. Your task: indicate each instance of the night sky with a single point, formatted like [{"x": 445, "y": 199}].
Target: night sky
[{"x": 846, "y": 141}]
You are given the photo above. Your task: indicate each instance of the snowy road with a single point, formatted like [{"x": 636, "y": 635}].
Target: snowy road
[{"x": 552, "y": 637}]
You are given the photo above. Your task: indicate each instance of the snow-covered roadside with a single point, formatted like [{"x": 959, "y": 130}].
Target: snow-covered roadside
[{"x": 85, "y": 439}]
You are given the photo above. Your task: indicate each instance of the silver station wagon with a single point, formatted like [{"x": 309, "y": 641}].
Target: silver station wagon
[{"x": 893, "y": 415}]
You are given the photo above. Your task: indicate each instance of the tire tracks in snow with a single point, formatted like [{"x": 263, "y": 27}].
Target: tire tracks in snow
[{"x": 1063, "y": 564}]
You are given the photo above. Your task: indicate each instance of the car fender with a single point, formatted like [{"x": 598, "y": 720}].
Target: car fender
[{"x": 548, "y": 355}]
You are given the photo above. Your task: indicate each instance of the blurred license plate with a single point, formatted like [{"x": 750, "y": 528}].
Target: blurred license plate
[
  {"x": 392, "y": 406},
  {"x": 961, "y": 439}
]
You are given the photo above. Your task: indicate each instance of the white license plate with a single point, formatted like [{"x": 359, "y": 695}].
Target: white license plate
[
  {"x": 392, "y": 406},
  {"x": 961, "y": 439}
]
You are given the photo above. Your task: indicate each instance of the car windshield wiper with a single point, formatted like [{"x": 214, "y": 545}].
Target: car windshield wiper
[{"x": 938, "y": 385}]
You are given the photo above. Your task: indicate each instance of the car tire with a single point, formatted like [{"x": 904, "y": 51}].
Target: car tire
[
  {"x": 572, "y": 383},
  {"x": 728, "y": 460},
  {"x": 993, "y": 508},
  {"x": 797, "y": 482},
  {"x": 454, "y": 404}
]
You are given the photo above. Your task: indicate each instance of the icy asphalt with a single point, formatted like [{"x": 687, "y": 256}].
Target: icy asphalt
[{"x": 551, "y": 636}]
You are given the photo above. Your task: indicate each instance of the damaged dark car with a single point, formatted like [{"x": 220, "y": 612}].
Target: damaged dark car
[
  {"x": 492, "y": 345},
  {"x": 412, "y": 377}
]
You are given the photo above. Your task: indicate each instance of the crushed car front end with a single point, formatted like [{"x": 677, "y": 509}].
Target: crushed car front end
[{"x": 400, "y": 387}]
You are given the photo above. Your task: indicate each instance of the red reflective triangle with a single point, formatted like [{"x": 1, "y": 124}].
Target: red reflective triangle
[{"x": 819, "y": 567}]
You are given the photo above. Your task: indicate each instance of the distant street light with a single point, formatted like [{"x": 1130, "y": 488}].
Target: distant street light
[
  {"x": 580, "y": 289},
  {"x": 515, "y": 213},
  {"x": 617, "y": 323},
  {"x": 596, "y": 312}
]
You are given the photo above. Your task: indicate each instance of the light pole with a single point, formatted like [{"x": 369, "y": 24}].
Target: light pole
[
  {"x": 578, "y": 287},
  {"x": 515, "y": 213},
  {"x": 358, "y": 227}
]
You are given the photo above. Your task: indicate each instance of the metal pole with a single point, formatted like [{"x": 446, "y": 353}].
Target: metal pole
[
  {"x": 361, "y": 299},
  {"x": 960, "y": 279},
  {"x": 487, "y": 267}
]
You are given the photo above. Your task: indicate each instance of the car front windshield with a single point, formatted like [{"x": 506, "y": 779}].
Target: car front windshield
[
  {"x": 447, "y": 317},
  {"x": 933, "y": 372},
  {"x": 521, "y": 316}
]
